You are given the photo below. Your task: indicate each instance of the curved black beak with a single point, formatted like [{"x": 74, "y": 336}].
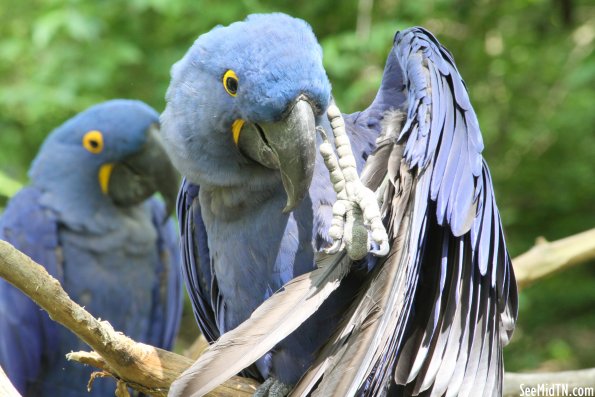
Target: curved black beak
[
  {"x": 140, "y": 175},
  {"x": 288, "y": 145}
]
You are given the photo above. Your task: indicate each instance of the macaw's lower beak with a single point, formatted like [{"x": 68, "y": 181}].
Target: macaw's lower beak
[
  {"x": 288, "y": 145},
  {"x": 139, "y": 176}
]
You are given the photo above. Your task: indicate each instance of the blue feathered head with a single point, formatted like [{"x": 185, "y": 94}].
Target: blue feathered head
[
  {"x": 244, "y": 100},
  {"x": 109, "y": 154}
]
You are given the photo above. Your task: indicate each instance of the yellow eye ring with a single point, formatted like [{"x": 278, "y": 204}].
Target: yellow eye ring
[
  {"x": 93, "y": 141},
  {"x": 231, "y": 82}
]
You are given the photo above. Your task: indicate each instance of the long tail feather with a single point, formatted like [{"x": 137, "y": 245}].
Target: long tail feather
[{"x": 274, "y": 320}]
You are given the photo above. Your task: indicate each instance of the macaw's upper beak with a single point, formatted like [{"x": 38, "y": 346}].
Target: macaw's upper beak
[
  {"x": 288, "y": 145},
  {"x": 140, "y": 175}
]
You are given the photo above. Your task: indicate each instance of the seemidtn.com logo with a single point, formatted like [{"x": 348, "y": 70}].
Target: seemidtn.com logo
[{"x": 556, "y": 390}]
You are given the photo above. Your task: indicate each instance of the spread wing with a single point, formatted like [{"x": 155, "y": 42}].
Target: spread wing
[
  {"x": 439, "y": 308},
  {"x": 167, "y": 293},
  {"x": 26, "y": 332}
]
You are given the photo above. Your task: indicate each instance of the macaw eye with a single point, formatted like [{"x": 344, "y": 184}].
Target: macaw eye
[
  {"x": 231, "y": 82},
  {"x": 93, "y": 141}
]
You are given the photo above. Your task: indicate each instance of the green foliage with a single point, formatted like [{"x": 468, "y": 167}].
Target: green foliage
[
  {"x": 8, "y": 188},
  {"x": 529, "y": 66}
]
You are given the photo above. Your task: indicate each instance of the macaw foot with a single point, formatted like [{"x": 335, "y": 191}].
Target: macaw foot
[
  {"x": 272, "y": 387},
  {"x": 356, "y": 225}
]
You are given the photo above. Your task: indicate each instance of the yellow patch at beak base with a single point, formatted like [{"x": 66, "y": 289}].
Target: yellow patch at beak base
[
  {"x": 105, "y": 171},
  {"x": 236, "y": 128}
]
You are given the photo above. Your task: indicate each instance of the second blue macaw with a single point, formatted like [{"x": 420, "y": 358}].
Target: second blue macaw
[
  {"x": 89, "y": 219},
  {"x": 243, "y": 108}
]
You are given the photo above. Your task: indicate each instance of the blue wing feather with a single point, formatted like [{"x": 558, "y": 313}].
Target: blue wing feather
[
  {"x": 457, "y": 343},
  {"x": 26, "y": 332},
  {"x": 196, "y": 261},
  {"x": 453, "y": 299},
  {"x": 459, "y": 302},
  {"x": 441, "y": 85}
]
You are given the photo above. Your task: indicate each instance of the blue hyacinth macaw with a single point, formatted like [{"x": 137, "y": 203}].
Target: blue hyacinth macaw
[
  {"x": 256, "y": 210},
  {"x": 89, "y": 218}
]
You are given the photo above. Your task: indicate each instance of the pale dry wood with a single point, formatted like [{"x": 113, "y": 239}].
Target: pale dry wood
[
  {"x": 516, "y": 384},
  {"x": 135, "y": 363},
  {"x": 549, "y": 257},
  {"x": 6, "y": 387}
]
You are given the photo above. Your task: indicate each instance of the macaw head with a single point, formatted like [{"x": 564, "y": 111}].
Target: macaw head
[
  {"x": 244, "y": 102},
  {"x": 108, "y": 153}
]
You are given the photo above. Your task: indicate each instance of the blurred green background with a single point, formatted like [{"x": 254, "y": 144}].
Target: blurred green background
[{"x": 529, "y": 66}]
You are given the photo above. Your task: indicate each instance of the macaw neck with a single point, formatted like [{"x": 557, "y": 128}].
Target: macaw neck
[
  {"x": 85, "y": 211},
  {"x": 79, "y": 203},
  {"x": 228, "y": 203}
]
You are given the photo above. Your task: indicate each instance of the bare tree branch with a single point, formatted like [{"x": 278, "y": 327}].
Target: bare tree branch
[
  {"x": 517, "y": 384},
  {"x": 549, "y": 257},
  {"x": 6, "y": 388},
  {"x": 135, "y": 363}
]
